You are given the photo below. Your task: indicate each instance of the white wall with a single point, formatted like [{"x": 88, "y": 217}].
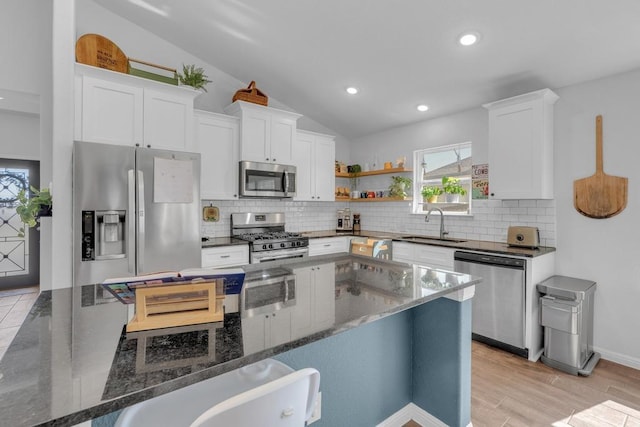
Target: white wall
[
  {"x": 138, "y": 43},
  {"x": 603, "y": 250},
  {"x": 25, "y": 39},
  {"x": 19, "y": 135},
  {"x": 26, "y": 75}
]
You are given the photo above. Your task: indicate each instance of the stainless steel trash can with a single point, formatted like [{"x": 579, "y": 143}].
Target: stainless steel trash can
[{"x": 566, "y": 313}]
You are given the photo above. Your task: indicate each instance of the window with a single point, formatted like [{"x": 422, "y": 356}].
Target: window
[{"x": 444, "y": 173}]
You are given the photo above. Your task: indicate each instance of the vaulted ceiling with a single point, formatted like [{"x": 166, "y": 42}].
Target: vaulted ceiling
[{"x": 399, "y": 53}]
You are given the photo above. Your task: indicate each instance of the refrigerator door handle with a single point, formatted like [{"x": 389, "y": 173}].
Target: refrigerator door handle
[
  {"x": 141, "y": 221},
  {"x": 131, "y": 223}
]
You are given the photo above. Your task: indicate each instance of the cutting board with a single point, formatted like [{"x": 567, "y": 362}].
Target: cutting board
[
  {"x": 600, "y": 195},
  {"x": 99, "y": 51}
]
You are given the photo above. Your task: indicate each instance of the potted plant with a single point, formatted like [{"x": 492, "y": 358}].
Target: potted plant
[
  {"x": 431, "y": 193},
  {"x": 452, "y": 189},
  {"x": 194, "y": 77},
  {"x": 354, "y": 172},
  {"x": 30, "y": 209},
  {"x": 399, "y": 186}
]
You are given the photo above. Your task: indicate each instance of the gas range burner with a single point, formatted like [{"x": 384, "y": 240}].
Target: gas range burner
[{"x": 266, "y": 236}]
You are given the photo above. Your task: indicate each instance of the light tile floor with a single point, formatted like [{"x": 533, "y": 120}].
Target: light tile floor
[{"x": 14, "y": 307}]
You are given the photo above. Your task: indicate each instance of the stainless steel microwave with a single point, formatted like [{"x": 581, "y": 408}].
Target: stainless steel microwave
[{"x": 267, "y": 180}]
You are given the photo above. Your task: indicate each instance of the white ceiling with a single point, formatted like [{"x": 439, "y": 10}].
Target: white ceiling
[{"x": 399, "y": 53}]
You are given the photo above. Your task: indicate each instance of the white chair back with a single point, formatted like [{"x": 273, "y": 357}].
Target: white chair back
[{"x": 286, "y": 402}]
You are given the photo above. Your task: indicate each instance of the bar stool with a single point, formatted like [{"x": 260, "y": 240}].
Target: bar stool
[
  {"x": 286, "y": 402},
  {"x": 181, "y": 407}
]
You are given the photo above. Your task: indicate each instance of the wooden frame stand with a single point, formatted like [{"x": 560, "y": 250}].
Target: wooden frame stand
[{"x": 177, "y": 305}]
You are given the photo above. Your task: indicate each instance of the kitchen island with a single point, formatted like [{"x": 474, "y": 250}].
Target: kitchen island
[{"x": 380, "y": 333}]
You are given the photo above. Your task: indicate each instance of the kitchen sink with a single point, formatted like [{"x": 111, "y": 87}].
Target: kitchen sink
[{"x": 427, "y": 239}]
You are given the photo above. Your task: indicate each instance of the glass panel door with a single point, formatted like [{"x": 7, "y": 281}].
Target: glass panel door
[{"x": 19, "y": 256}]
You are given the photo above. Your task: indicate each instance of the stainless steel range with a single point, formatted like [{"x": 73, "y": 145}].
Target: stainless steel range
[{"x": 267, "y": 238}]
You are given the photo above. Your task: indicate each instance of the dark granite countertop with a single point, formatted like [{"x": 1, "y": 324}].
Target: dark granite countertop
[
  {"x": 472, "y": 245},
  {"x": 72, "y": 359},
  {"x": 210, "y": 242}
]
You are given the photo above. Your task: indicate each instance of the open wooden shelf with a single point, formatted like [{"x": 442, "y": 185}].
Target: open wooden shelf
[
  {"x": 370, "y": 173},
  {"x": 374, "y": 199}
]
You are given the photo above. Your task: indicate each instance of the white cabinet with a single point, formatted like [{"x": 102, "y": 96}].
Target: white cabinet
[
  {"x": 117, "y": 108},
  {"x": 266, "y": 330},
  {"x": 329, "y": 245},
  {"x": 314, "y": 157},
  {"x": 429, "y": 255},
  {"x": 521, "y": 146},
  {"x": 266, "y": 134},
  {"x": 216, "y": 137},
  {"x": 225, "y": 256},
  {"x": 315, "y": 300}
]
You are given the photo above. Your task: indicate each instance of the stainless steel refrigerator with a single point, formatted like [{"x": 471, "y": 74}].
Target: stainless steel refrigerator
[{"x": 136, "y": 210}]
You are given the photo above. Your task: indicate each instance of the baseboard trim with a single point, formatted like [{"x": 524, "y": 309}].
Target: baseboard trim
[
  {"x": 622, "y": 359},
  {"x": 415, "y": 413}
]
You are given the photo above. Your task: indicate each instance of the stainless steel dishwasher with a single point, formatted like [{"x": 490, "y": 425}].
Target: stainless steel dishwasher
[{"x": 499, "y": 301}]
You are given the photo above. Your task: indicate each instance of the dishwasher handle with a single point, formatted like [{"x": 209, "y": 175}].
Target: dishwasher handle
[{"x": 500, "y": 261}]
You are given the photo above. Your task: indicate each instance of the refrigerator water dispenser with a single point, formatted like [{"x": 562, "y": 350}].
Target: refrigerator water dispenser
[{"x": 103, "y": 235}]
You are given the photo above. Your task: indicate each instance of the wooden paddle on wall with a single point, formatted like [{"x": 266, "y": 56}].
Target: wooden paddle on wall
[{"x": 600, "y": 195}]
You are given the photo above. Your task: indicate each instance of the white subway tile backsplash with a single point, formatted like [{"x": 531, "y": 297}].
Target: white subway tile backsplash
[{"x": 489, "y": 221}]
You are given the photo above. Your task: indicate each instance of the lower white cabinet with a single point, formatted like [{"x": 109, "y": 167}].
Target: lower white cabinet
[
  {"x": 314, "y": 155},
  {"x": 329, "y": 245},
  {"x": 266, "y": 330},
  {"x": 225, "y": 256},
  {"x": 315, "y": 300},
  {"x": 415, "y": 253},
  {"x": 216, "y": 137}
]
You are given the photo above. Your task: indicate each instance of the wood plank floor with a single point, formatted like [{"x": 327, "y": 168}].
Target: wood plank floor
[{"x": 507, "y": 390}]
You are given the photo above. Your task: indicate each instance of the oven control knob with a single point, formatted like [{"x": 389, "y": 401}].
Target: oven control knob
[
  {"x": 264, "y": 246},
  {"x": 297, "y": 243},
  {"x": 270, "y": 246},
  {"x": 282, "y": 245}
]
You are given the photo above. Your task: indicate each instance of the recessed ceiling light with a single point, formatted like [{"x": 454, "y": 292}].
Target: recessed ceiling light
[
  {"x": 352, "y": 90},
  {"x": 422, "y": 107},
  {"x": 468, "y": 39}
]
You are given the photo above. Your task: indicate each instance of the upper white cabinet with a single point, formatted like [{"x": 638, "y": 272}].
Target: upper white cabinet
[
  {"x": 521, "y": 146},
  {"x": 217, "y": 140},
  {"x": 117, "y": 108},
  {"x": 266, "y": 134},
  {"x": 314, "y": 157}
]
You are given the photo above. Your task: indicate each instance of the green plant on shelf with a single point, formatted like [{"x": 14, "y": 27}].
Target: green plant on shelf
[
  {"x": 452, "y": 186},
  {"x": 194, "y": 77},
  {"x": 431, "y": 193},
  {"x": 30, "y": 209},
  {"x": 399, "y": 186}
]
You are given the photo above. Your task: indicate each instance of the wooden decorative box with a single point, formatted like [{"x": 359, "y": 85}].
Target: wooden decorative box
[{"x": 177, "y": 305}]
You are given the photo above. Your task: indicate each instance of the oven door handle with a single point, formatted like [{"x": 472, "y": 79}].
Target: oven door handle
[{"x": 285, "y": 256}]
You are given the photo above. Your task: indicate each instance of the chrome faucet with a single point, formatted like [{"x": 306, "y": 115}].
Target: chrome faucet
[{"x": 442, "y": 232}]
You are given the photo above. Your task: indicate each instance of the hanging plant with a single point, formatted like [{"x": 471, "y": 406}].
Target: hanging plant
[
  {"x": 194, "y": 77},
  {"x": 30, "y": 209}
]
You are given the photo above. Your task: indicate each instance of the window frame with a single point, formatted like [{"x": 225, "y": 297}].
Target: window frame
[{"x": 418, "y": 205}]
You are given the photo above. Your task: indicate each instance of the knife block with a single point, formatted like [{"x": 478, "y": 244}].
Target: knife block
[{"x": 177, "y": 305}]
